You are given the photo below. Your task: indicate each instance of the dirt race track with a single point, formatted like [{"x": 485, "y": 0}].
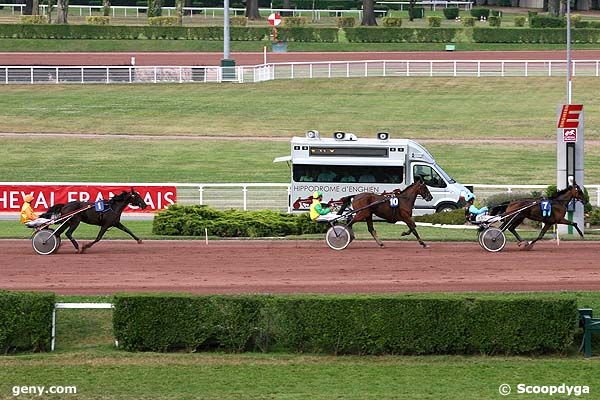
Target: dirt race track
[{"x": 298, "y": 266}]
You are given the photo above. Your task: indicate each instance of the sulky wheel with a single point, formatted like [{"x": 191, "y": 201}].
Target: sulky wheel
[
  {"x": 492, "y": 239},
  {"x": 44, "y": 242},
  {"x": 338, "y": 237}
]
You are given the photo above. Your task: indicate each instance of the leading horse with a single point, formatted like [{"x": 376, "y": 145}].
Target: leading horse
[
  {"x": 110, "y": 217},
  {"x": 531, "y": 209},
  {"x": 394, "y": 208}
]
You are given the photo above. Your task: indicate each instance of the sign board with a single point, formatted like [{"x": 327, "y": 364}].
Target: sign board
[
  {"x": 570, "y": 135},
  {"x": 45, "y": 196},
  {"x": 274, "y": 19}
]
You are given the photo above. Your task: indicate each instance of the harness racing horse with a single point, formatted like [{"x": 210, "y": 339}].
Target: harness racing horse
[
  {"x": 381, "y": 206},
  {"x": 111, "y": 217},
  {"x": 530, "y": 208}
]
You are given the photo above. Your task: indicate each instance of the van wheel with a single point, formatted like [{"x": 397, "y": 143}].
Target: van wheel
[{"x": 446, "y": 207}]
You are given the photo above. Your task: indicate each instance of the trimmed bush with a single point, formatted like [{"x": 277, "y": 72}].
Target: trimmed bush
[
  {"x": 97, "y": 20},
  {"x": 34, "y": 19},
  {"x": 594, "y": 217},
  {"x": 308, "y": 34},
  {"x": 531, "y": 14},
  {"x": 520, "y": 35},
  {"x": 520, "y": 21},
  {"x": 345, "y": 22},
  {"x": 434, "y": 22},
  {"x": 496, "y": 13},
  {"x": 391, "y": 22},
  {"x": 238, "y": 21},
  {"x": 468, "y": 21},
  {"x": 193, "y": 220},
  {"x": 25, "y": 321},
  {"x": 162, "y": 21},
  {"x": 546, "y": 21},
  {"x": 368, "y": 324},
  {"x": 477, "y": 13},
  {"x": 418, "y": 12},
  {"x": 451, "y": 12},
  {"x": 495, "y": 22},
  {"x": 455, "y": 217},
  {"x": 294, "y": 22},
  {"x": 399, "y": 35}
]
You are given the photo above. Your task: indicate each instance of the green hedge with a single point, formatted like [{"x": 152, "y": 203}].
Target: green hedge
[
  {"x": 20, "y": 31},
  {"x": 369, "y": 324},
  {"x": 308, "y": 34},
  {"x": 25, "y": 321},
  {"x": 455, "y": 217},
  {"x": 418, "y": 12},
  {"x": 547, "y": 21},
  {"x": 345, "y": 22},
  {"x": 477, "y": 13},
  {"x": 411, "y": 35},
  {"x": 547, "y": 35},
  {"x": 434, "y": 22},
  {"x": 193, "y": 220},
  {"x": 389, "y": 22},
  {"x": 495, "y": 21},
  {"x": 451, "y": 12}
]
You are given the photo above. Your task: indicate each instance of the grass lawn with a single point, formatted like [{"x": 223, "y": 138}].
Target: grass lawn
[
  {"x": 44, "y": 45},
  {"x": 194, "y": 161},
  {"x": 465, "y": 108},
  {"x": 85, "y": 358}
]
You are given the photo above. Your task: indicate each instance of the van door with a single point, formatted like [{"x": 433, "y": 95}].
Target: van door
[{"x": 435, "y": 182}]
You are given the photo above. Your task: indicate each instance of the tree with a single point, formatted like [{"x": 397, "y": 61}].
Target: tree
[
  {"x": 179, "y": 7},
  {"x": 154, "y": 8},
  {"x": 411, "y": 7},
  {"x": 252, "y": 10},
  {"x": 368, "y": 13},
  {"x": 554, "y": 7},
  {"x": 62, "y": 11},
  {"x": 50, "y": 4},
  {"x": 106, "y": 8}
]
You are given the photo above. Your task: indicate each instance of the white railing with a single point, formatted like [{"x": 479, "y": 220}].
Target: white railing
[
  {"x": 275, "y": 196},
  {"x": 294, "y": 70},
  {"x": 194, "y": 12}
]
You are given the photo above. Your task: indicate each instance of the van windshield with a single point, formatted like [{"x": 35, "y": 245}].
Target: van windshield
[
  {"x": 444, "y": 174},
  {"x": 348, "y": 174}
]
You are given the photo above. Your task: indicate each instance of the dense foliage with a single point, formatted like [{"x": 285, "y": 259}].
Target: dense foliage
[
  {"x": 411, "y": 35},
  {"x": 455, "y": 217},
  {"x": 451, "y": 12},
  {"x": 369, "y": 324},
  {"x": 25, "y": 321},
  {"x": 193, "y": 220},
  {"x": 345, "y": 22}
]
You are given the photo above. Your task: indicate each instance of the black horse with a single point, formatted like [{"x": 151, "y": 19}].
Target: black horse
[
  {"x": 381, "y": 206},
  {"x": 530, "y": 208},
  {"x": 109, "y": 218}
]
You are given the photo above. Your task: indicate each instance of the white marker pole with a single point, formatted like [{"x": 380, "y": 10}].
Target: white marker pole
[
  {"x": 265, "y": 55},
  {"x": 206, "y": 235}
]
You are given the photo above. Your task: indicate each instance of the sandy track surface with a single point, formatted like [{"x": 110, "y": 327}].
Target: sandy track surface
[{"x": 298, "y": 266}]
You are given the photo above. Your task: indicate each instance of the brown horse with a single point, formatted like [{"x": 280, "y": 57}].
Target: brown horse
[
  {"x": 530, "y": 208},
  {"x": 370, "y": 204}
]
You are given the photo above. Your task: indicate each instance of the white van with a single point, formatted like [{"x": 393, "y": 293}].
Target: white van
[{"x": 345, "y": 165}]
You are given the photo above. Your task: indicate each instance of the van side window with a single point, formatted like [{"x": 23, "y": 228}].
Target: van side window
[
  {"x": 348, "y": 174},
  {"x": 429, "y": 176}
]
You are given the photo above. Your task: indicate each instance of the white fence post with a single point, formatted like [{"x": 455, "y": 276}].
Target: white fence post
[
  {"x": 245, "y": 191},
  {"x": 201, "y": 191}
]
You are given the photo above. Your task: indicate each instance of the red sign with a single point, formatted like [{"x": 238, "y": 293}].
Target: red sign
[
  {"x": 44, "y": 196},
  {"x": 274, "y": 19},
  {"x": 570, "y": 135},
  {"x": 569, "y": 116}
]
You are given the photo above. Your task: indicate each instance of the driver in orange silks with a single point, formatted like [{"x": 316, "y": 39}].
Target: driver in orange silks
[{"x": 28, "y": 216}]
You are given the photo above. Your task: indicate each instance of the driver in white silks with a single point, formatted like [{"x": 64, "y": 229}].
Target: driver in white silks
[{"x": 473, "y": 213}]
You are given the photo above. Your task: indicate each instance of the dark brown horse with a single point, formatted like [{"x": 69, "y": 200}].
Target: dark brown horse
[
  {"x": 530, "y": 209},
  {"x": 111, "y": 217},
  {"x": 381, "y": 206}
]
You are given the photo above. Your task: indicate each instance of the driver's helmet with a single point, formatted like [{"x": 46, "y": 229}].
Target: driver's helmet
[
  {"x": 28, "y": 198},
  {"x": 469, "y": 196},
  {"x": 317, "y": 194}
]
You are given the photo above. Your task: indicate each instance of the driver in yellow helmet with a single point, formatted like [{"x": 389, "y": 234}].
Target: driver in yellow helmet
[{"x": 316, "y": 208}]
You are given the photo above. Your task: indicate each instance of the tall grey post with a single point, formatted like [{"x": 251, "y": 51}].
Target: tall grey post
[
  {"x": 228, "y": 71},
  {"x": 569, "y": 157}
]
